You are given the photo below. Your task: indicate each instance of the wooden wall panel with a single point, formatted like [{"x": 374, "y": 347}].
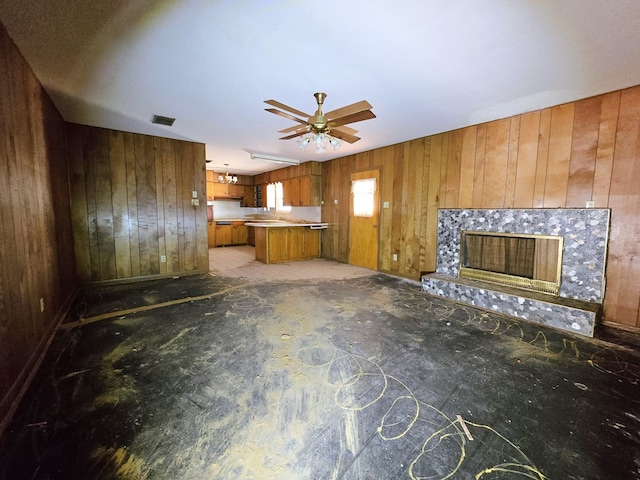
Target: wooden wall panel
[
  {"x": 527, "y": 160},
  {"x": 131, "y": 198},
  {"x": 558, "y": 157},
  {"x": 558, "y": 160},
  {"x": 467, "y": 164},
  {"x": 36, "y": 248},
  {"x": 622, "y": 298}
]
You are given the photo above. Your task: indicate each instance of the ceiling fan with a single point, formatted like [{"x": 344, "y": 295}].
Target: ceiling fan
[{"x": 322, "y": 125}]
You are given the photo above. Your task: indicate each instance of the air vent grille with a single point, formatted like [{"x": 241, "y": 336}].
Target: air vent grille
[{"x": 160, "y": 120}]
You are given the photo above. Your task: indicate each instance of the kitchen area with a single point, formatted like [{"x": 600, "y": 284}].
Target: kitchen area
[{"x": 278, "y": 212}]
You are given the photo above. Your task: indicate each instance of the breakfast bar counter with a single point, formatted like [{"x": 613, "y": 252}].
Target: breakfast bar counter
[{"x": 277, "y": 241}]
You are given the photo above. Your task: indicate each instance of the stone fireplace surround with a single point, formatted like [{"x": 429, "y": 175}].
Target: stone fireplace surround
[{"x": 577, "y": 307}]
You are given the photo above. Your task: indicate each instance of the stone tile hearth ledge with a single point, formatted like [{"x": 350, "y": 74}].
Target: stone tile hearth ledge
[{"x": 576, "y": 316}]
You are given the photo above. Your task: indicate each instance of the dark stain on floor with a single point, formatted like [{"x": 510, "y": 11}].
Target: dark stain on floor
[{"x": 353, "y": 379}]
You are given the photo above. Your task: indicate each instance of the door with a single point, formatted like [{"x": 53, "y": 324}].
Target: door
[{"x": 363, "y": 219}]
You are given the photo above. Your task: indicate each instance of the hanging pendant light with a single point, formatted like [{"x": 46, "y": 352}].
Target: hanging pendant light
[{"x": 227, "y": 178}]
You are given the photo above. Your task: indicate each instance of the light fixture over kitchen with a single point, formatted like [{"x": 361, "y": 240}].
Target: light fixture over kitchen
[{"x": 227, "y": 178}]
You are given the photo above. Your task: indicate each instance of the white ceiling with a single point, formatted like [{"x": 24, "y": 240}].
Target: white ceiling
[{"x": 426, "y": 66}]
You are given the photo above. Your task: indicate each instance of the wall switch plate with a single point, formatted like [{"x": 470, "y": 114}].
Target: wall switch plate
[
  {"x": 335, "y": 201},
  {"x": 194, "y": 194},
  {"x": 163, "y": 259},
  {"x": 41, "y": 305},
  {"x": 395, "y": 257},
  {"x": 385, "y": 204}
]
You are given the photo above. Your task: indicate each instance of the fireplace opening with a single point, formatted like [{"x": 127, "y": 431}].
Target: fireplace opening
[{"x": 530, "y": 262}]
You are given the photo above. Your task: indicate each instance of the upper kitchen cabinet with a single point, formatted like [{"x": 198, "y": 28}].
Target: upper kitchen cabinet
[
  {"x": 225, "y": 190},
  {"x": 302, "y": 191}
]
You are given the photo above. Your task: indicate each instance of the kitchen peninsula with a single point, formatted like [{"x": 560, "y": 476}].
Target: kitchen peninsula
[{"x": 281, "y": 241}]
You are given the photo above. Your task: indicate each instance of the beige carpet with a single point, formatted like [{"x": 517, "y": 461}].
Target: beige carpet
[{"x": 240, "y": 262}]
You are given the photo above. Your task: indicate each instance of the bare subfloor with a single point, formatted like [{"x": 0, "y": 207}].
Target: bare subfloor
[{"x": 348, "y": 375}]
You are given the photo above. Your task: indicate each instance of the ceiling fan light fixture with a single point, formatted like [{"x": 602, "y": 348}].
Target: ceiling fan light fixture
[{"x": 318, "y": 127}]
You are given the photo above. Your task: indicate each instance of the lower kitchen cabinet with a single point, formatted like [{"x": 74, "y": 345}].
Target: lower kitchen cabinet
[
  {"x": 234, "y": 234},
  {"x": 286, "y": 244}
]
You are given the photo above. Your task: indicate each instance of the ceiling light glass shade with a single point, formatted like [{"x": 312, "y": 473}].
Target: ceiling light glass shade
[
  {"x": 303, "y": 142},
  {"x": 320, "y": 140},
  {"x": 227, "y": 178}
]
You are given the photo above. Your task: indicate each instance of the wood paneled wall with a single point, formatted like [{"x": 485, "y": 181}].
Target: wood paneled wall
[
  {"x": 131, "y": 204},
  {"x": 559, "y": 157},
  {"x": 36, "y": 246}
]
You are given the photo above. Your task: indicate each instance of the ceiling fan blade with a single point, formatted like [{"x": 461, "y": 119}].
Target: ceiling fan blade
[
  {"x": 286, "y": 115},
  {"x": 347, "y": 137},
  {"x": 295, "y": 128},
  {"x": 294, "y": 135},
  {"x": 345, "y": 129},
  {"x": 282, "y": 106},
  {"x": 354, "y": 117},
  {"x": 348, "y": 110}
]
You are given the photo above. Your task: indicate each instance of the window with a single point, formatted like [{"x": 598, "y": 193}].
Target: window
[
  {"x": 275, "y": 197},
  {"x": 363, "y": 192}
]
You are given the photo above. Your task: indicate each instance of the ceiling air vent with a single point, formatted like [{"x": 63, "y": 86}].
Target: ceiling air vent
[{"x": 160, "y": 120}]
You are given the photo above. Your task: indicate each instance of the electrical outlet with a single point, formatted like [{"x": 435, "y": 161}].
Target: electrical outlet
[
  {"x": 41, "y": 305},
  {"x": 395, "y": 257},
  {"x": 385, "y": 204},
  {"x": 591, "y": 204},
  {"x": 163, "y": 259}
]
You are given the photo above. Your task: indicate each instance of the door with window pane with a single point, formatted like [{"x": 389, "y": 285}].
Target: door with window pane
[{"x": 363, "y": 219}]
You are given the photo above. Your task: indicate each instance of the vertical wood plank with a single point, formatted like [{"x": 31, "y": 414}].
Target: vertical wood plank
[
  {"x": 494, "y": 179},
  {"x": 542, "y": 158},
  {"x": 453, "y": 166},
  {"x": 119, "y": 203},
  {"x": 557, "y": 178},
  {"x": 467, "y": 164},
  {"x": 584, "y": 146},
  {"x": 478, "y": 173},
  {"x": 132, "y": 203},
  {"x": 512, "y": 162},
  {"x": 170, "y": 208},
  {"x": 606, "y": 146},
  {"x": 526, "y": 169}
]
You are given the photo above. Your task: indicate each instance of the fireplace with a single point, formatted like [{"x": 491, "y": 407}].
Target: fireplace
[
  {"x": 530, "y": 262},
  {"x": 554, "y": 257}
]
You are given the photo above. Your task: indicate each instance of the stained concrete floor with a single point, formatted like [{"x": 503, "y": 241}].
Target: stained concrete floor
[{"x": 366, "y": 377}]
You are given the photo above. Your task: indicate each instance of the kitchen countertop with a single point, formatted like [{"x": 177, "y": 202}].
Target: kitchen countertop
[{"x": 283, "y": 223}]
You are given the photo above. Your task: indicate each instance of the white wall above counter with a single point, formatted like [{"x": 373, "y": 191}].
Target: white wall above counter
[{"x": 232, "y": 209}]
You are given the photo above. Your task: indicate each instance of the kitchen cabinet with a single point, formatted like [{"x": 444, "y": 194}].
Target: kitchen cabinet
[
  {"x": 302, "y": 191},
  {"x": 211, "y": 231},
  {"x": 225, "y": 190},
  {"x": 234, "y": 233},
  {"x": 249, "y": 196},
  {"x": 286, "y": 244}
]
